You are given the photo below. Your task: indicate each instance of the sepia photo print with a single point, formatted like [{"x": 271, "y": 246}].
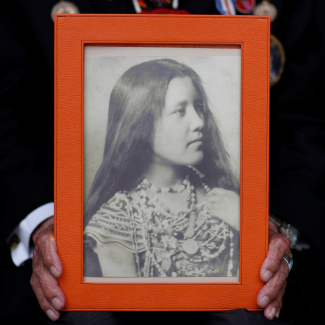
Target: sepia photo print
[{"x": 161, "y": 164}]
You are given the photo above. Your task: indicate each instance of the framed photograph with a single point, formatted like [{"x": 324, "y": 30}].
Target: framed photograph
[{"x": 161, "y": 160}]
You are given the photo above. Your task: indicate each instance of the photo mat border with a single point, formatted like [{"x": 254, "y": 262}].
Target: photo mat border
[{"x": 171, "y": 54}]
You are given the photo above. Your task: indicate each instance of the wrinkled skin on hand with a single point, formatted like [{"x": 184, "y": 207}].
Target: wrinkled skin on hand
[
  {"x": 46, "y": 269},
  {"x": 274, "y": 273}
]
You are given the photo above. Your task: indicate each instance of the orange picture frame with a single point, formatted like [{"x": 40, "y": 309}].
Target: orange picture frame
[{"x": 249, "y": 33}]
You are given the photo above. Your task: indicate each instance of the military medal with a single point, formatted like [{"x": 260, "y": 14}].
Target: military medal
[
  {"x": 245, "y": 6},
  {"x": 64, "y": 7},
  {"x": 157, "y": 7},
  {"x": 277, "y": 60},
  {"x": 226, "y": 7},
  {"x": 266, "y": 8},
  {"x": 277, "y": 55}
]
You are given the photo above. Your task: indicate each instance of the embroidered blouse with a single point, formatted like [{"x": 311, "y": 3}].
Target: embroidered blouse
[{"x": 157, "y": 239}]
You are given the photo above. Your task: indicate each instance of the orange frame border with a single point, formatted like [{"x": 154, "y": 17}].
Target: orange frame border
[{"x": 252, "y": 34}]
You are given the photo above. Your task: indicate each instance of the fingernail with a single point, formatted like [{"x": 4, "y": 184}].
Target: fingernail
[
  {"x": 54, "y": 271},
  {"x": 264, "y": 301},
  {"x": 277, "y": 314},
  {"x": 272, "y": 313},
  {"x": 51, "y": 315},
  {"x": 267, "y": 276},
  {"x": 57, "y": 303}
]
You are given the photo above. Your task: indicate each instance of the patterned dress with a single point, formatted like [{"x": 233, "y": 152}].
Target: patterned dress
[{"x": 157, "y": 239}]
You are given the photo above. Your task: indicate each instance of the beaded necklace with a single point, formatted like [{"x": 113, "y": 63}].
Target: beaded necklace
[
  {"x": 177, "y": 189},
  {"x": 177, "y": 245}
]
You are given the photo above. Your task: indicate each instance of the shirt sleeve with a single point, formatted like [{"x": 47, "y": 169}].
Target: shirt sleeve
[{"x": 19, "y": 241}]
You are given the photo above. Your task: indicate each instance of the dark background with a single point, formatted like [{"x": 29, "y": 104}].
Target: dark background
[{"x": 297, "y": 155}]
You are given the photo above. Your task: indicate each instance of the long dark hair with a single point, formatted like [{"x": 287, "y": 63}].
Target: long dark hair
[{"x": 136, "y": 103}]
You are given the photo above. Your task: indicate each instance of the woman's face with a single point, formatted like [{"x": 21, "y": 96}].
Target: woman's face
[{"x": 178, "y": 134}]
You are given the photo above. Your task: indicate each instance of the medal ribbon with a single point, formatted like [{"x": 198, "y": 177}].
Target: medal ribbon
[
  {"x": 245, "y": 6},
  {"x": 226, "y": 7},
  {"x": 157, "y": 6}
]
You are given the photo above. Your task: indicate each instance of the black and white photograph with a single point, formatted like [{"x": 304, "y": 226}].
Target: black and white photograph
[{"x": 162, "y": 164}]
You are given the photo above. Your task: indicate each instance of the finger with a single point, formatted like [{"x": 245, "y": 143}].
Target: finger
[
  {"x": 212, "y": 204},
  {"x": 50, "y": 311},
  {"x": 217, "y": 191},
  {"x": 215, "y": 199},
  {"x": 227, "y": 199},
  {"x": 43, "y": 225},
  {"x": 47, "y": 282},
  {"x": 273, "y": 309},
  {"x": 217, "y": 207},
  {"x": 213, "y": 208},
  {"x": 272, "y": 288},
  {"x": 273, "y": 226},
  {"x": 279, "y": 245},
  {"x": 49, "y": 285},
  {"x": 46, "y": 244}
]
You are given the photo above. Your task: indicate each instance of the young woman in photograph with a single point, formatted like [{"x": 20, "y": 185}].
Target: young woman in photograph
[{"x": 164, "y": 201}]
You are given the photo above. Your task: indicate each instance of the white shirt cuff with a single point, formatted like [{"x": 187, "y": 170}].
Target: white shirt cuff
[{"x": 19, "y": 240}]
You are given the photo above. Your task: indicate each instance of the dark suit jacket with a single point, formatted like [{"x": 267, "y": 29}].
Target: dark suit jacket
[{"x": 26, "y": 129}]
